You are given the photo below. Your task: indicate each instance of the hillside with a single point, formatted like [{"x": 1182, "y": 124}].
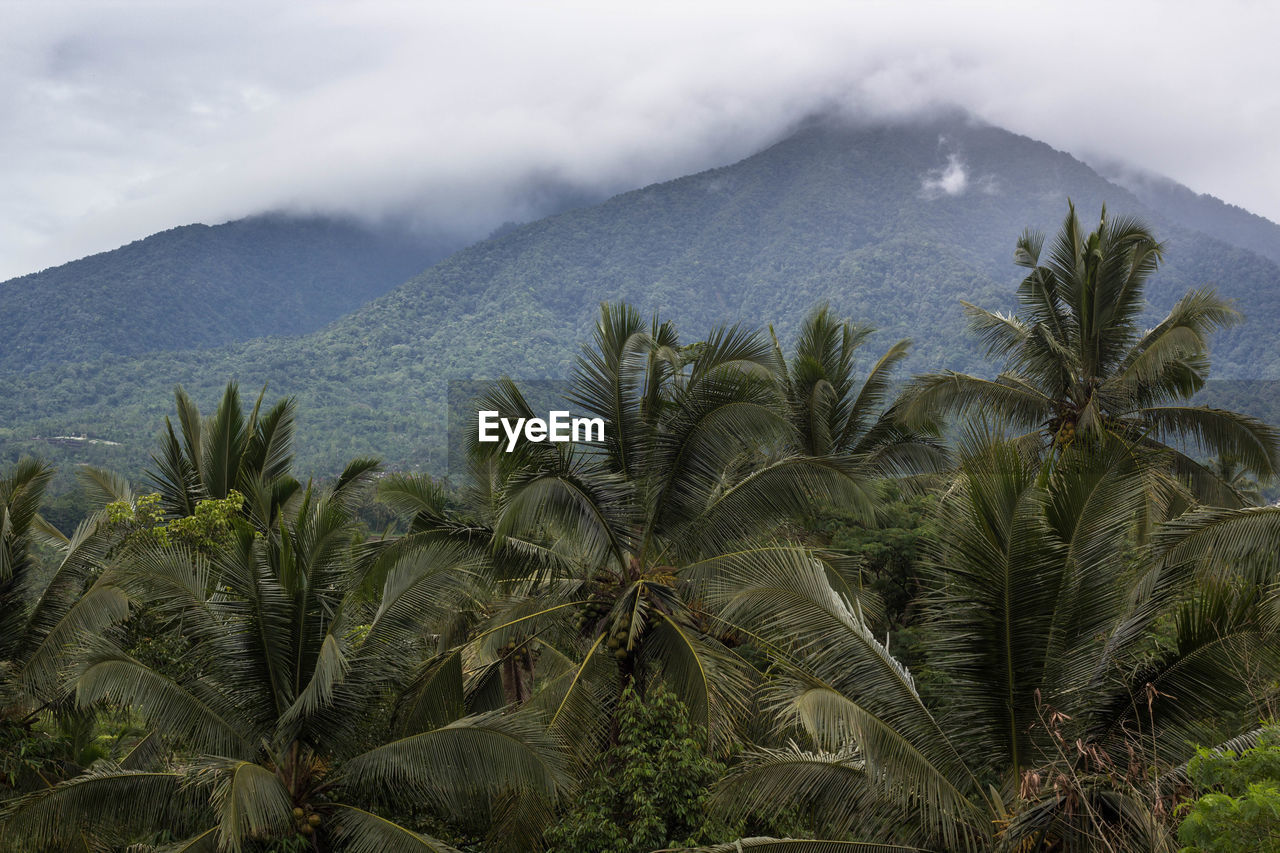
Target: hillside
[
  {"x": 1201, "y": 211},
  {"x": 893, "y": 225},
  {"x": 203, "y": 286}
]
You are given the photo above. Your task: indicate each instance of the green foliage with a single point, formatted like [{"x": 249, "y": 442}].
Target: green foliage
[
  {"x": 1077, "y": 367},
  {"x": 889, "y": 550},
  {"x": 269, "y": 696},
  {"x": 1048, "y": 626},
  {"x": 55, "y": 744},
  {"x": 891, "y": 555},
  {"x": 29, "y": 758},
  {"x": 705, "y": 465},
  {"x": 141, "y": 515},
  {"x": 42, "y": 612},
  {"x": 209, "y": 525},
  {"x": 201, "y": 286},
  {"x": 650, "y": 790},
  {"x": 142, "y": 521},
  {"x": 1240, "y": 809},
  {"x": 305, "y": 685}
]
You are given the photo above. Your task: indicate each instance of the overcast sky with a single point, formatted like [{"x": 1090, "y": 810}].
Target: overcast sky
[{"x": 119, "y": 119}]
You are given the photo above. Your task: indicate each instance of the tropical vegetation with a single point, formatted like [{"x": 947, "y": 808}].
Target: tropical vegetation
[{"x": 792, "y": 602}]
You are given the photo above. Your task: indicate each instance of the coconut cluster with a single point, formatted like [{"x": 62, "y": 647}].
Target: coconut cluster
[
  {"x": 619, "y": 641},
  {"x": 593, "y": 618},
  {"x": 520, "y": 649},
  {"x": 306, "y": 823}
]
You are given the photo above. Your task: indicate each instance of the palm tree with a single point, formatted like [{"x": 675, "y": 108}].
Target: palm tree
[
  {"x": 835, "y": 415},
  {"x": 705, "y": 455},
  {"x": 1067, "y": 713},
  {"x": 274, "y": 709},
  {"x": 224, "y": 452},
  {"x": 1078, "y": 366},
  {"x": 41, "y": 618}
]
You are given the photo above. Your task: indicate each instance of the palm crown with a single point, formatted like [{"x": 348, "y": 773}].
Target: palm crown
[
  {"x": 1080, "y": 669},
  {"x": 710, "y": 451},
  {"x": 1079, "y": 366},
  {"x": 274, "y": 701}
]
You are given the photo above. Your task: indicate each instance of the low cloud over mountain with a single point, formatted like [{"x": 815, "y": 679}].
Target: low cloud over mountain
[{"x": 124, "y": 119}]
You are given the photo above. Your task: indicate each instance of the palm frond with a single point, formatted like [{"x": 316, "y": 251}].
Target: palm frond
[
  {"x": 54, "y": 631},
  {"x": 1222, "y": 640},
  {"x": 609, "y": 378},
  {"x": 769, "y": 782},
  {"x": 329, "y": 667},
  {"x": 360, "y": 831},
  {"x": 269, "y": 453},
  {"x": 1007, "y": 397},
  {"x": 204, "y": 842},
  {"x": 780, "y": 491},
  {"x": 434, "y": 697},
  {"x": 356, "y": 477},
  {"x": 1226, "y": 538},
  {"x": 1027, "y": 251},
  {"x": 208, "y": 722},
  {"x": 843, "y": 686},
  {"x": 1000, "y": 334},
  {"x": 481, "y": 755},
  {"x": 1219, "y": 431},
  {"x": 102, "y": 486},
  {"x": 145, "y": 753},
  {"x": 222, "y": 444},
  {"x": 248, "y": 798},
  {"x": 713, "y": 683},
  {"x": 98, "y": 799},
  {"x": 578, "y": 704},
  {"x": 564, "y": 501}
]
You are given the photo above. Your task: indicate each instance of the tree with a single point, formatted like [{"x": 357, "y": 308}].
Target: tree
[
  {"x": 43, "y": 611},
  {"x": 1079, "y": 369},
  {"x": 1079, "y": 667},
  {"x": 40, "y": 618},
  {"x": 1240, "y": 806},
  {"x": 651, "y": 790},
  {"x": 274, "y": 707},
  {"x": 227, "y": 452},
  {"x": 603, "y": 546},
  {"x": 835, "y": 415}
]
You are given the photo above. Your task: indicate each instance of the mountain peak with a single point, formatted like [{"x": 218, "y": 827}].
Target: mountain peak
[{"x": 891, "y": 223}]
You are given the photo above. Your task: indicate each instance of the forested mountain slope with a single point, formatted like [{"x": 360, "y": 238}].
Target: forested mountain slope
[
  {"x": 891, "y": 224},
  {"x": 1201, "y": 211},
  {"x": 202, "y": 286}
]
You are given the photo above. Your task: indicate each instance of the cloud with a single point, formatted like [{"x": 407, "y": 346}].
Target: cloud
[
  {"x": 121, "y": 119},
  {"x": 950, "y": 180}
]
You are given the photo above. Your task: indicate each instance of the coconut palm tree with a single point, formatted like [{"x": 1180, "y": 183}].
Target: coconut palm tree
[
  {"x": 1080, "y": 368},
  {"x": 1068, "y": 711},
  {"x": 41, "y": 618},
  {"x": 224, "y": 452},
  {"x": 836, "y": 415},
  {"x": 704, "y": 455},
  {"x": 274, "y": 710}
]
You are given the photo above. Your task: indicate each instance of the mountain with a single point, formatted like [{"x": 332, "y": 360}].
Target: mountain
[
  {"x": 1200, "y": 211},
  {"x": 893, "y": 224},
  {"x": 204, "y": 286}
]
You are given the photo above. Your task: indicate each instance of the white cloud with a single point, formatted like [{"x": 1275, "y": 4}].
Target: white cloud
[
  {"x": 949, "y": 180},
  {"x": 120, "y": 119}
]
